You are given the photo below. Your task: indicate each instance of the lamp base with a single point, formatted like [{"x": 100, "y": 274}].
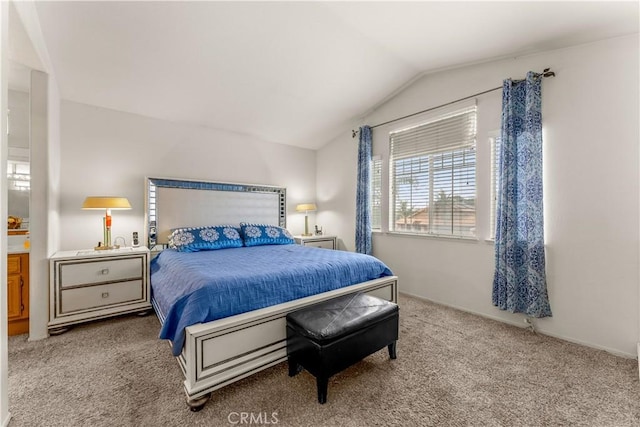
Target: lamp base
[
  {"x": 306, "y": 226},
  {"x": 106, "y": 248}
]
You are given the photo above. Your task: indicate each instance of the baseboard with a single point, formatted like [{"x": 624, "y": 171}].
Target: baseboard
[
  {"x": 5, "y": 423},
  {"x": 466, "y": 310},
  {"x": 37, "y": 337},
  {"x": 639, "y": 360},
  {"x": 613, "y": 351}
]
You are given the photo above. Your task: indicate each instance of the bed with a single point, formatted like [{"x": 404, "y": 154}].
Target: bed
[{"x": 220, "y": 335}]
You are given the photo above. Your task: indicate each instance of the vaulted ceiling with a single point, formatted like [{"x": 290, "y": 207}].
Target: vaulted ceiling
[{"x": 295, "y": 73}]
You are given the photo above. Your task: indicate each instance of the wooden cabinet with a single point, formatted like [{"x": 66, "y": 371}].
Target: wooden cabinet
[
  {"x": 18, "y": 293},
  {"x": 325, "y": 242},
  {"x": 89, "y": 285}
]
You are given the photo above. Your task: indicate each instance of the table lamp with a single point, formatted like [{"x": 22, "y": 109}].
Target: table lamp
[
  {"x": 108, "y": 203},
  {"x": 306, "y": 207}
]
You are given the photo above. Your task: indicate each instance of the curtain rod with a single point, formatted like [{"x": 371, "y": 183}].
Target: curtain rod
[{"x": 545, "y": 73}]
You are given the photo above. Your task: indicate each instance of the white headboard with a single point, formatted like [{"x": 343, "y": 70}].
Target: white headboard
[{"x": 173, "y": 203}]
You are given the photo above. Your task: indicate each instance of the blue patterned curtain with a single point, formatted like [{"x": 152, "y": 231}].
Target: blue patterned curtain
[
  {"x": 519, "y": 283},
  {"x": 363, "y": 210}
]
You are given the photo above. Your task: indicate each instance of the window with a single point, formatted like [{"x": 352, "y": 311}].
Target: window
[
  {"x": 18, "y": 175},
  {"x": 376, "y": 193},
  {"x": 495, "y": 181},
  {"x": 433, "y": 176}
]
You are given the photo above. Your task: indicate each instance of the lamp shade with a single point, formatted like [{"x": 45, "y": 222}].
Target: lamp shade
[
  {"x": 106, "y": 202},
  {"x": 304, "y": 207}
]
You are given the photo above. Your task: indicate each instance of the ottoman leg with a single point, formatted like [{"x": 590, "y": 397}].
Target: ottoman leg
[
  {"x": 294, "y": 367},
  {"x": 392, "y": 350},
  {"x": 322, "y": 383}
]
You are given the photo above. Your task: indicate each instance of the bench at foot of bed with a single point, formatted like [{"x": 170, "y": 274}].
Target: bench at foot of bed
[{"x": 330, "y": 336}]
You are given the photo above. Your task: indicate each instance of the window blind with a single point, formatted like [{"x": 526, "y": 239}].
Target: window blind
[
  {"x": 433, "y": 176},
  {"x": 376, "y": 193},
  {"x": 495, "y": 143},
  {"x": 446, "y": 134}
]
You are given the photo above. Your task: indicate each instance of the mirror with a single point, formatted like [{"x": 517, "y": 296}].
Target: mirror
[{"x": 18, "y": 167}]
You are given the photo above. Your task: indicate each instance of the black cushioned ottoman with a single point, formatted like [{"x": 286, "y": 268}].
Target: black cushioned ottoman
[{"x": 330, "y": 336}]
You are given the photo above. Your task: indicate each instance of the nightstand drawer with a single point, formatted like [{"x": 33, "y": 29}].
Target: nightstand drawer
[
  {"x": 100, "y": 271},
  {"x": 89, "y": 297},
  {"x": 325, "y": 244}
]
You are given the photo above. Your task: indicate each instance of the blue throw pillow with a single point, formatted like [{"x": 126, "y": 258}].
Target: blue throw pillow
[
  {"x": 263, "y": 234},
  {"x": 193, "y": 239}
]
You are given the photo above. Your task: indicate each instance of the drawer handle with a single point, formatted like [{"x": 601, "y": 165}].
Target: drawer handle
[
  {"x": 104, "y": 271},
  {"x": 105, "y": 295}
]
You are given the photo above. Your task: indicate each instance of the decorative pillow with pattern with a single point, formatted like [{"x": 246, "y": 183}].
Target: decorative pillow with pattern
[
  {"x": 193, "y": 239},
  {"x": 263, "y": 234}
]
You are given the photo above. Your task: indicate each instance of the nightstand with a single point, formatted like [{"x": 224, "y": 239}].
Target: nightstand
[
  {"x": 88, "y": 285},
  {"x": 326, "y": 242}
]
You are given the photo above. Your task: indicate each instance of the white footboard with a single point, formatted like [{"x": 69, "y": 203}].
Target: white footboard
[{"x": 223, "y": 351}]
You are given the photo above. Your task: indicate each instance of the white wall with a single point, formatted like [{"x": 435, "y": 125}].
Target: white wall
[
  {"x": 336, "y": 191},
  {"x": 19, "y": 119},
  {"x": 44, "y": 103},
  {"x": 45, "y": 146},
  {"x": 591, "y": 177},
  {"x": 53, "y": 168},
  {"x": 106, "y": 152},
  {"x": 43, "y": 225},
  {"x": 5, "y": 416}
]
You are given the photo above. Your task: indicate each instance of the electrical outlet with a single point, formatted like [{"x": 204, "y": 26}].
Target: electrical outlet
[{"x": 134, "y": 241}]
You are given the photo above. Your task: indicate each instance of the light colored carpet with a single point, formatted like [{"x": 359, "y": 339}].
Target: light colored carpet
[{"x": 453, "y": 369}]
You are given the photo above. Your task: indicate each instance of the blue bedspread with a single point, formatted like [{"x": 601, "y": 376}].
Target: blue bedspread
[{"x": 197, "y": 287}]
